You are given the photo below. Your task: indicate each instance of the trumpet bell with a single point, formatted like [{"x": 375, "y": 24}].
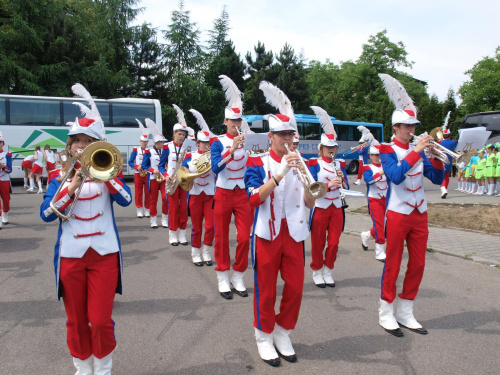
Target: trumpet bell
[
  {"x": 102, "y": 161},
  {"x": 317, "y": 190}
]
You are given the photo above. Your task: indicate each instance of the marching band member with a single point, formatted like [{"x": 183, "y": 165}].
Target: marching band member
[
  {"x": 150, "y": 163},
  {"x": 328, "y": 217},
  {"x": 88, "y": 263},
  {"x": 201, "y": 198},
  {"x": 37, "y": 170},
  {"x": 450, "y": 144},
  {"x": 228, "y": 159},
  {"x": 280, "y": 228},
  {"x": 490, "y": 169},
  {"x": 5, "y": 188},
  {"x": 376, "y": 186},
  {"x": 170, "y": 159},
  {"x": 366, "y": 136},
  {"x": 140, "y": 175},
  {"x": 405, "y": 166}
]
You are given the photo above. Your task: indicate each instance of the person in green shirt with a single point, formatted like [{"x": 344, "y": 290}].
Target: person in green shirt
[
  {"x": 491, "y": 163},
  {"x": 480, "y": 169}
]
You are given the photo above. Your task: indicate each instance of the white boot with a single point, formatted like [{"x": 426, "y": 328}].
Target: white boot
[
  {"x": 146, "y": 212},
  {"x": 182, "y": 237},
  {"x": 238, "y": 285},
  {"x": 83, "y": 367},
  {"x": 380, "y": 251},
  {"x": 206, "y": 252},
  {"x": 223, "y": 281},
  {"x": 404, "y": 316},
  {"x": 327, "y": 276},
  {"x": 5, "y": 217},
  {"x": 357, "y": 182},
  {"x": 140, "y": 213},
  {"x": 266, "y": 348},
  {"x": 40, "y": 189},
  {"x": 387, "y": 320},
  {"x": 196, "y": 256},
  {"x": 32, "y": 185},
  {"x": 103, "y": 366},
  {"x": 318, "y": 278},
  {"x": 444, "y": 192},
  {"x": 172, "y": 237},
  {"x": 154, "y": 223},
  {"x": 491, "y": 187},
  {"x": 26, "y": 180},
  {"x": 365, "y": 239},
  {"x": 164, "y": 221},
  {"x": 283, "y": 344}
]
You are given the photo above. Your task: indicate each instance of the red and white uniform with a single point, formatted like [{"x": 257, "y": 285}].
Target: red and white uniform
[
  {"x": 50, "y": 160},
  {"x": 376, "y": 183},
  {"x": 38, "y": 164},
  {"x": 28, "y": 162},
  {"x": 5, "y": 188},
  {"x": 140, "y": 183},
  {"x": 201, "y": 204},
  {"x": 230, "y": 198},
  {"x": 327, "y": 218},
  {"x": 150, "y": 163},
  {"x": 406, "y": 216},
  {"x": 280, "y": 229}
]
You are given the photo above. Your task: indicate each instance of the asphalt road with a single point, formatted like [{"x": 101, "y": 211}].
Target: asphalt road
[{"x": 171, "y": 319}]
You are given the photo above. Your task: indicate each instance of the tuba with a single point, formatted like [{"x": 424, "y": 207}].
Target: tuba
[
  {"x": 202, "y": 166},
  {"x": 100, "y": 161}
]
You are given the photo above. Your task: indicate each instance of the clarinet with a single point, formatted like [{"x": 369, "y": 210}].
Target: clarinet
[{"x": 341, "y": 190}]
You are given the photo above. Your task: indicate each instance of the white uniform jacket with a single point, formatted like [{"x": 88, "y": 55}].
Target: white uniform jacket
[
  {"x": 203, "y": 184},
  {"x": 168, "y": 161},
  {"x": 6, "y": 159},
  {"x": 136, "y": 158},
  {"x": 405, "y": 170},
  {"x": 230, "y": 170},
  {"x": 376, "y": 183},
  {"x": 92, "y": 222},
  {"x": 323, "y": 170}
]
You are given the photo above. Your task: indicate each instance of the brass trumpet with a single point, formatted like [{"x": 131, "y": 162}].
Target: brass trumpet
[
  {"x": 356, "y": 148},
  {"x": 443, "y": 152}
]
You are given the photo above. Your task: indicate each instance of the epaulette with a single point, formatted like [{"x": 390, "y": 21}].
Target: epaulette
[
  {"x": 386, "y": 148},
  {"x": 254, "y": 161},
  {"x": 134, "y": 149},
  {"x": 165, "y": 146},
  {"x": 313, "y": 161},
  {"x": 54, "y": 173},
  {"x": 147, "y": 151}
]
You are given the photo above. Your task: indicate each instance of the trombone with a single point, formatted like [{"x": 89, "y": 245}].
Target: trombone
[
  {"x": 100, "y": 161},
  {"x": 357, "y": 148}
]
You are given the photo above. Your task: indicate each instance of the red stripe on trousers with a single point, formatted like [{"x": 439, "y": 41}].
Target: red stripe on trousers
[
  {"x": 141, "y": 188},
  {"x": 4, "y": 196},
  {"x": 377, "y": 213},
  {"x": 155, "y": 187},
  {"x": 446, "y": 180},
  {"x": 285, "y": 256},
  {"x": 200, "y": 207},
  {"x": 326, "y": 220},
  {"x": 412, "y": 228},
  {"x": 360, "y": 169},
  {"x": 177, "y": 209},
  {"x": 227, "y": 203},
  {"x": 88, "y": 290}
]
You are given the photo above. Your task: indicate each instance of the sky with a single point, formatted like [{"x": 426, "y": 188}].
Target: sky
[{"x": 444, "y": 38}]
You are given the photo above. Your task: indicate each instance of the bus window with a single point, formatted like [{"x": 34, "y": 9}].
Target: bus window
[
  {"x": 344, "y": 132},
  {"x": 124, "y": 115},
  {"x": 3, "y": 112},
  {"x": 35, "y": 112},
  {"x": 377, "y": 132},
  {"x": 309, "y": 131},
  {"x": 71, "y": 111}
]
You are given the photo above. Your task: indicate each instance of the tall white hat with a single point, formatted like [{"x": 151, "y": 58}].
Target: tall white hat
[
  {"x": 285, "y": 119},
  {"x": 446, "y": 131},
  {"x": 234, "y": 110},
  {"x": 153, "y": 129},
  {"x": 329, "y": 136},
  {"x": 204, "y": 134},
  {"x": 1, "y": 137},
  {"x": 181, "y": 121},
  {"x": 406, "y": 112},
  {"x": 144, "y": 132},
  {"x": 92, "y": 124}
]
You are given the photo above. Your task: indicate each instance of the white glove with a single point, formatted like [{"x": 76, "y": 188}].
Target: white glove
[{"x": 284, "y": 168}]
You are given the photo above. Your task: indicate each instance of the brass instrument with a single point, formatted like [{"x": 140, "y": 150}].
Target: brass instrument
[
  {"x": 202, "y": 166},
  {"x": 341, "y": 191},
  {"x": 143, "y": 172},
  {"x": 357, "y": 148},
  {"x": 442, "y": 152},
  {"x": 100, "y": 161},
  {"x": 171, "y": 186},
  {"x": 313, "y": 189}
]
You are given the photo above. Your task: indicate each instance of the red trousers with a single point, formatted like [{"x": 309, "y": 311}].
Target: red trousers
[
  {"x": 88, "y": 290},
  {"x": 285, "y": 256},
  {"x": 4, "y": 196},
  {"x": 412, "y": 228},
  {"x": 446, "y": 180},
  {"x": 141, "y": 188},
  {"x": 154, "y": 188},
  {"x": 377, "y": 213},
  {"x": 329, "y": 220},
  {"x": 177, "y": 209},
  {"x": 227, "y": 202},
  {"x": 360, "y": 169},
  {"x": 200, "y": 207}
]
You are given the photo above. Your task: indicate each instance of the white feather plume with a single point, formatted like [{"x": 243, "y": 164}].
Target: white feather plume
[
  {"x": 153, "y": 128},
  {"x": 245, "y": 128},
  {"x": 142, "y": 128},
  {"x": 180, "y": 115},
  {"x": 277, "y": 98},
  {"x": 366, "y": 134},
  {"x": 324, "y": 120},
  {"x": 93, "y": 112},
  {"x": 85, "y": 111},
  {"x": 233, "y": 94},
  {"x": 447, "y": 118},
  {"x": 397, "y": 93},
  {"x": 201, "y": 122}
]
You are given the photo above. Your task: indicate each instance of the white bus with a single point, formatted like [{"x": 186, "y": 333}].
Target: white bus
[{"x": 27, "y": 121}]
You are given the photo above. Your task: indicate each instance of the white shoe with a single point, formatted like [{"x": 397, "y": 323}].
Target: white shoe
[
  {"x": 26, "y": 186},
  {"x": 206, "y": 252},
  {"x": 103, "y": 366},
  {"x": 283, "y": 343},
  {"x": 357, "y": 182},
  {"x": 182, "y": 237},
  {"x": 444, "y": 192},
  {"x": 318, "y": 278},
  {"x": 30, "y": 190},
  {"x": 154, "y": 223},
  {"x": 237, "y": 283},
  {"x": 140, "y": 213},
  {"x": 83, "y": 367},
  {"x": 196, "y": 256},
  {"x": 40, "y": 191},
  {"x": 223, "y": 281},
  {"x": 404, "y": 316},
  {"x": 146, "y": 212},
  {"x": 380, "y": 252},
  {"x": 164, "y": 221},
  {"x": 172, "y": 237},
  {"x": 365, "y": 239},
  {"x": 5, "y": 217},
  {"x": 265, "y": 346},
  {"x": 386, "y": 316},
  {"x": 327, "y": 276},
  {"x": 1, "y": 224}
]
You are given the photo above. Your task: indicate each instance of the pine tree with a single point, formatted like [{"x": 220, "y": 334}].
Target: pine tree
[{"x": 219, "y": 35}]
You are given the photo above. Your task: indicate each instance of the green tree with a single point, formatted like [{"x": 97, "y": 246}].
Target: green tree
[
  {"x": 258, "y": 70},
  {"x": 219, "y": 35}
]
